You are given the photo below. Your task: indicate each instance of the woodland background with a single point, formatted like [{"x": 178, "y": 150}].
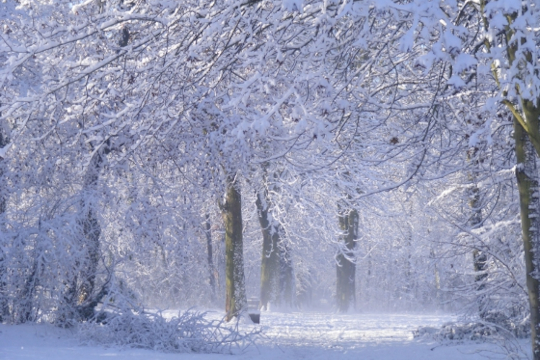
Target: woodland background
[{"x": 368, "y": 155}]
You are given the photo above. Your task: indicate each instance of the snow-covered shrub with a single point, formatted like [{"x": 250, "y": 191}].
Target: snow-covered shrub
[
  {"x": 190, "y": 331},
  {"x": 475, "y": 331}
]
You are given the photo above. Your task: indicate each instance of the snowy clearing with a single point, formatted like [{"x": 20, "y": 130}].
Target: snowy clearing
[{"x": 287, "y": 336}]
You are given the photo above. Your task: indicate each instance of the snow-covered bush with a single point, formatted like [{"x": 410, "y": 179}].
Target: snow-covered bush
[
  {"x": 190, "y": 331},
  {"x": 475, "y": 331}
]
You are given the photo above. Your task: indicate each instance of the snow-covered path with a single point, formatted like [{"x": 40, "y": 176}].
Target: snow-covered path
[{"x": 287, "y": 336}]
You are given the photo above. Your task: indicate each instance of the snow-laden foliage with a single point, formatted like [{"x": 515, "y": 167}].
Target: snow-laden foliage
[
  {"x": 190, "y": 331},
  {"x": 122, "y": 124}
]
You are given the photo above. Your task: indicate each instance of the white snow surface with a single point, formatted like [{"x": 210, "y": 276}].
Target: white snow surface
[{"x": 287, "y": 336}]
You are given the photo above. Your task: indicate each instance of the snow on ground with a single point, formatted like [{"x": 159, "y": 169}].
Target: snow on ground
[{"x": 287, "y": 336}]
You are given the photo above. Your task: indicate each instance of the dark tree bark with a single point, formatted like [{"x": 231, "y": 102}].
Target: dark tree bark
[
  {"x": 475, "y": 220},
  {"x": 4, "y": 306},
  {"x": 270, "y": 255},
  {"x": 527, "y": 180},
  {"x": 235, "y": 291}
]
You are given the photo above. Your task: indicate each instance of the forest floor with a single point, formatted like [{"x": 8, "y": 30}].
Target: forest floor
[{"x": 287, "y": 336}]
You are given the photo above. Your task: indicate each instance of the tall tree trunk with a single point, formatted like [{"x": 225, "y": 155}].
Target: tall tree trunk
[
  {"x": 25, "y": 297},
  {"x": 209, "y": 250},
  {"x": 345, "y": 268},
  {"x": 80, "y": 296},
  {"x": 90, "y": 227},
  {"x": 287, "y": 284},
  {"x": 305, "y": 290},
  {"x": 87, "y": 276},
  {"x": 4, "y": 307},
  {"x": 235, "y": 290},
  {"x": 527, "y": 180},
  {"x": 86, "y": 299},
  {"x": 436, "y": 274},
  {"x": 270, "y": 253},
  {"x": 475, "y": 220},
  {"x": 527, "y": 147}
]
